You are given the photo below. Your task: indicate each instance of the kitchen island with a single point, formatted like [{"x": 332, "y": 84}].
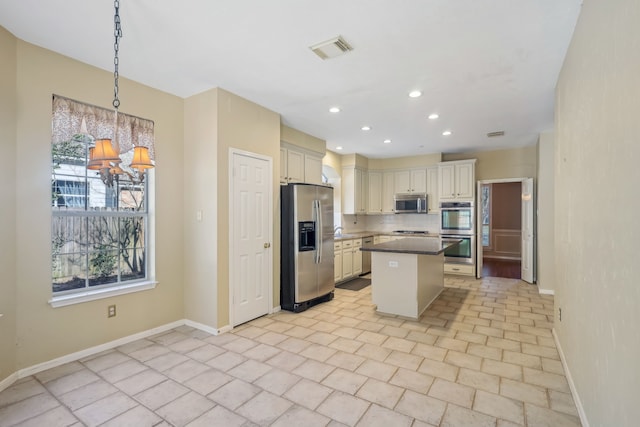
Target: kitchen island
[{"x": 407, "y": 275}]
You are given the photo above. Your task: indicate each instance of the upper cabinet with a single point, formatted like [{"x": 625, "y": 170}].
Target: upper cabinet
[
  {"x": 355, "y": 189},
  {"x": 433, "y": 199},
  {"x": 299, "y": 166},
  {"x": 312, "y": 169},
  {"x": 375, "y": 193},
  {"x": 388, "y": 190},
  {"x": 411, "y": 181},
  {"x": 456, "y": 180}
]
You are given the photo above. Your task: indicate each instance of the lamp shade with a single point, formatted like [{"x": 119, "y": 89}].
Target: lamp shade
[
  {"x": 104, "y": 151},
  {"x": 141, "y": 159},
  {"x": 96, "y": 164}
]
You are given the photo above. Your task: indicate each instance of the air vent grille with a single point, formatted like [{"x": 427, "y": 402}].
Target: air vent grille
[
  {"x": 331, "y": 48},
  {"x": 494, "y": 134}
]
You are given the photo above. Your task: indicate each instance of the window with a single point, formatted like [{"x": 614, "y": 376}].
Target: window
[
  {"x": 99, "y": 233},
  {"x": 486, "y": 215}
]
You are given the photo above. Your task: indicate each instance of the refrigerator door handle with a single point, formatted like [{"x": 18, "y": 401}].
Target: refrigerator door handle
[{"x": 318, "y": 214}]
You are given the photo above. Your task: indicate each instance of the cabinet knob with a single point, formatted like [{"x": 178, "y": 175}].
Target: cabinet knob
[{"x": 267, "y": 245}]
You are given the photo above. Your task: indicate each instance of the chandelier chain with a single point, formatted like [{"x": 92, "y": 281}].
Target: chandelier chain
[{"x": 117, "y": 32}]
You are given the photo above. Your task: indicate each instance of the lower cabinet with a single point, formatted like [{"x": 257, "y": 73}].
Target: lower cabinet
[
  {"x": 347, "y": 259},
  {"x": 337, "y": 261},
  {"x": 357, "y": 257},
  {"x": 347, "y": 262},
  {"x": 461, "y": 269}
]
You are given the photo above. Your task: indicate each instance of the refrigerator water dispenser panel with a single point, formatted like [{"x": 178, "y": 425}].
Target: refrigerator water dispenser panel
[{"x": 306, "y": 236}]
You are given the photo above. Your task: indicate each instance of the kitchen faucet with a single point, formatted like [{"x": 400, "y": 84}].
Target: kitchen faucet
[{"x": 337, "y": 231}]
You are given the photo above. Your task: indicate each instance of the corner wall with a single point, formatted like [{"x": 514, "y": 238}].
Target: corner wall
[
  {"x": 545, "y": 190},
  {"x": 8, "y": 115},
  {"x": 247, "y": 126},
  {"x": 45, "y": 333},
  {"x": 597, "y": 209}
]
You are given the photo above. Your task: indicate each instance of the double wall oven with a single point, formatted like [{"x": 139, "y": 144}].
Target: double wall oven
[{"x": 457, "y": 224}]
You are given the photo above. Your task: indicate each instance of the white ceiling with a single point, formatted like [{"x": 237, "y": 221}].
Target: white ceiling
[{"x": 483, "y": 66}]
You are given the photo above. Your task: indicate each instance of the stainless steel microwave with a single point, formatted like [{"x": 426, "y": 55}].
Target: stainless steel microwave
[{"x": 411, "y": 203}]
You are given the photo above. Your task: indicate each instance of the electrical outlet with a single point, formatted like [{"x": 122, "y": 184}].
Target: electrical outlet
[
  {"x": 560, "y": 314},
  {"x": 111, "y": 311}
]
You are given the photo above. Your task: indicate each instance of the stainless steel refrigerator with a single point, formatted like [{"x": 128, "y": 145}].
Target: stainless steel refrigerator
[{"x": 306, "y": 254}]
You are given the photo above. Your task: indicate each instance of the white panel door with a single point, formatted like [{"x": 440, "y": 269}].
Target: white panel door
[
  {"x": 251, "y": 277},
  {"x": 527, "y": 266}
]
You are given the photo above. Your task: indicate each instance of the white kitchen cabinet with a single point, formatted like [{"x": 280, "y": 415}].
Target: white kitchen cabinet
[
  {"x": 337, "y": 261},
  {"x": 354, "y": 191},
  {"x": 357, "y": 257},
  {"x": 374, "y": 202},
  {"x": 388, "y": 191},
  {"x": 347, "y": 259},
  {"x": 298, "y": 166},
  {"x": 456, "y": 180},
  {"x": 432, "y": 190},
  {"x": 312, "y": 169},
  {"x": 410, "y": 181}
]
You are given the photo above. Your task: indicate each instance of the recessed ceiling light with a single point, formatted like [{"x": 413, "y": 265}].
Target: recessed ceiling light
[
  {"x": 433, "y": 116},
  {"x": 414, "y": 94},
  {"x": 366, "y": 128},
  {"x": 387, "y": 141},
  {"x": 334, "y": 110},
  {"x": 338, "y": 148},
  {"x": 446, "y": 133}
]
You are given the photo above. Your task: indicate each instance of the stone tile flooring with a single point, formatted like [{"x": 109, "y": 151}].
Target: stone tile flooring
[{"x": 481, "y": 355}]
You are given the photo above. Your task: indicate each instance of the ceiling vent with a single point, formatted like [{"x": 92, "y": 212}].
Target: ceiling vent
[
  {"x": 331, "y": 48},
  {"x": 497, "y": 133}
]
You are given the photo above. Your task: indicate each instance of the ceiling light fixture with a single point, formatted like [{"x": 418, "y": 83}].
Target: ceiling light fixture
[
  {"x": 415, "y": 94},
  {"x": 387, "y": 141},
  {"x": 446, "y": 133},
  {"x": 366, "y": 128},
  {"x": 334, "y": 110},
  {"x": 433, "y": 116},
  {"x": 105, "y": 155},
  {"x": 339, "y": 148}
]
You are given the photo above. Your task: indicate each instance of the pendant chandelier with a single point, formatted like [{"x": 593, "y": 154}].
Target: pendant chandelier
[{"x": 104, "y": 156}]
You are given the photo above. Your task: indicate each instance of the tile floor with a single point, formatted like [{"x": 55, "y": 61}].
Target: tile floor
[{"x": 482, "y": 355}]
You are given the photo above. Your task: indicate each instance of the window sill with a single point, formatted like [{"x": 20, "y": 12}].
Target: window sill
[{"x": 92, "y": 295}]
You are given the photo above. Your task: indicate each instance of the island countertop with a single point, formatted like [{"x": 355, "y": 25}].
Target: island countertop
[{"x": 422, "y": 246}]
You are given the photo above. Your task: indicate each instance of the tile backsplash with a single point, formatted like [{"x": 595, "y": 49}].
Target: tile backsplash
[{"x": 354, "y": 223}]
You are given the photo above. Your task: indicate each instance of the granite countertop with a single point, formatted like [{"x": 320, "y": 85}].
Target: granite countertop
[{"x": 411, "y": 246}]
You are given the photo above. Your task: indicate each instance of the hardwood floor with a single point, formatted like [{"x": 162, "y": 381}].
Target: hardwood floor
[{"x": 501, "y": 268}]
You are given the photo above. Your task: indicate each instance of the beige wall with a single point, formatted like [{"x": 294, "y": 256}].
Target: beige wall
[
  {"x": 545, "y": 265},
  {"x": 405, "y": 162},
  {"x": 499, "y": 164},
  {"x": 301, "y": 139},
  {"x": 596, "y": 211},
  {"x": 201, "y": 176},
  {"x": 8, "y": 114},
  {"x": 246, "y": 126},
  {"x": 45, "y": 333}
]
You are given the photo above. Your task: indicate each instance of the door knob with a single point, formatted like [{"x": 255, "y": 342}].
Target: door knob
[{"x": 267, "y": 245}]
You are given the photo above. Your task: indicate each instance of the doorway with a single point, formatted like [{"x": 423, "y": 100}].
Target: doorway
[
  {"x": 250, "y": 263},
  {"x": 504, "y": 231}
]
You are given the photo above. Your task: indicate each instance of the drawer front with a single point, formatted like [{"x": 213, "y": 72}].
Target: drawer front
[
  {"x": 357, "y": 243},
  {"x": 337, "y": 246},
  {"x": 347, "y": 244},
  {"x": 468, "y": 270}
]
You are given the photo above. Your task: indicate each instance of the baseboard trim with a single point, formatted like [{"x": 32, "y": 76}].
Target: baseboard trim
[
  {"x": 22, "y": 373},
  {"x": 206, "y": 328},
  {"x": 7, "y": 382},
  {"x": 572, "y": 386},
  {"x": 72, "y": 357},
  {"x": 546, "y": 291}
]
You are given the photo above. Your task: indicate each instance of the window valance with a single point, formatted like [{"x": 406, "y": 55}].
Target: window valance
[{"x": 72, "y": 117}]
